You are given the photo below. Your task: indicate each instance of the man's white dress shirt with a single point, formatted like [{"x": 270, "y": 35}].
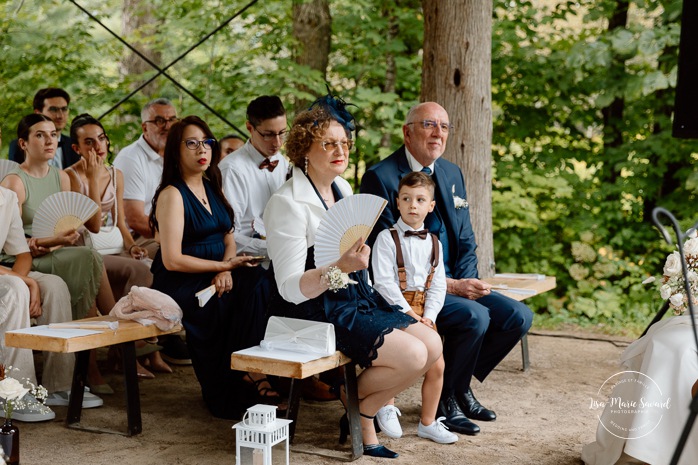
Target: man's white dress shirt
[
  {"x": 416, "y": 253},
  {"x": 248, "y": 189}
]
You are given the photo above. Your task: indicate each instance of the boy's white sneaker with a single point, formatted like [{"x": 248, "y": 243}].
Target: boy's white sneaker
[
  {"x": 388, "y": 422},
  {"x": 437, "y": 432}
]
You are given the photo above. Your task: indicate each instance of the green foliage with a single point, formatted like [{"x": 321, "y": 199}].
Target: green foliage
[{"x": 570, "y": 198}]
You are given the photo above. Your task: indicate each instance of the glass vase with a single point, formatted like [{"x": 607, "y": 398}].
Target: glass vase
[{"x": 9, "y": 440}]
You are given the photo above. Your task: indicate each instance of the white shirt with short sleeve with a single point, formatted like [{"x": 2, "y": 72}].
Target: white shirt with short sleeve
[
  {"x": 416, "y": 253},
  {"x": 248, "y": 189},
  {"x": 142, "y": 170},
  {"x": 12, "y": 240}
]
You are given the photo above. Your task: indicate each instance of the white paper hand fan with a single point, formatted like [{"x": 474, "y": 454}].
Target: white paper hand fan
[
  {"x": 6, "y": 166},
  {"x": 348, "y": 220},
  {"x": 61, "y": 212}
]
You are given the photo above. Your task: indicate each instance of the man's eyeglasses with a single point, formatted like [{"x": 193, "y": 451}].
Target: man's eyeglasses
[
  {"x": 331, "y": 146},
  {"x": 161, "y": 122},
  {"x": 56, "y": 110},
  {"x": 193, "y": 144},
  {"x": 430, "y": 124},
  {"x": 267, "y": 136}
]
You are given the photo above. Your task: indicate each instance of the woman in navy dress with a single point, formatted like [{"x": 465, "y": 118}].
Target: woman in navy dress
[{"x": 197, "y": 249}]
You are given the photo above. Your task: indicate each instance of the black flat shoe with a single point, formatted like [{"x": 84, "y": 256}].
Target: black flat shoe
[
  {"x": 474, "y": 409},
  {"x": 377, "y": 450},
  {"x": 456, "y": 420}
]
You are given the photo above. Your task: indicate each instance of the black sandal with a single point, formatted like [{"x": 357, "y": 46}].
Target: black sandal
[{"x": 263, "y": 392}]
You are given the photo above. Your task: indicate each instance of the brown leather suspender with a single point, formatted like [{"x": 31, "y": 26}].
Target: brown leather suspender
[{"x": 414, "y": 298}]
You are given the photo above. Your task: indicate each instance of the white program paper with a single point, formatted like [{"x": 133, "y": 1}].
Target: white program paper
[{"x": 62, "y": 333}]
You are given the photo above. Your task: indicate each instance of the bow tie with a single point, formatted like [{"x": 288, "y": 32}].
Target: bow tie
[
  {"x": 420, "y": 234},
  {"x": 269, "y": 165}
]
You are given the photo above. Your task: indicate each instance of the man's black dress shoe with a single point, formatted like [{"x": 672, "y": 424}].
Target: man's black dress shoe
[
  {"x": 455, "y": 419},
  {"x": 378, "y": 450},
  {"x": 474, "y": 409}
]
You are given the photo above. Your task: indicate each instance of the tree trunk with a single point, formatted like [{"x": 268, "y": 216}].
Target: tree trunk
[
  {"x": 456, "y": 73},
  {"x": 390, "y": 64},
  {"x": 138, "y": 21},
  {"x": 613, "y": 114},
  {"x": 312, "y": 31}
]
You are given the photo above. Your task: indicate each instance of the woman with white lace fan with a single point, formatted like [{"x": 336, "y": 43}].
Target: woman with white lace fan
[
  {"x": 318, "y": 145},
  {"x": 33, "y": 181},
  {"x": 108, "y": 232}
]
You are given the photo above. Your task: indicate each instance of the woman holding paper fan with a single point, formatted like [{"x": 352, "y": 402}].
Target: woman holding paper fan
[
  {"x": 197, "y": 250},
  {"x": 318, "y": 145},
  {"x": 33, "y": 181},
  {"x": 104, "y": 184}
]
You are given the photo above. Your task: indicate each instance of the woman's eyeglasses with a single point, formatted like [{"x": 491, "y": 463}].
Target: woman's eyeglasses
[
  {"x": 331, "y": 146},
  {"x": 193, "y": 144}
]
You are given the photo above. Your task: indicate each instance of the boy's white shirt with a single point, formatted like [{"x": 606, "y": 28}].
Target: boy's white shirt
[{"x": 417, "y": 255}]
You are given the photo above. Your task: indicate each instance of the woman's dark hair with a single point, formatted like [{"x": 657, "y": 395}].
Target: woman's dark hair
[
  {"x": 171, "y": 170},
  {"x": 86, "y": 119},
  {"x": 25, "y": 124}
]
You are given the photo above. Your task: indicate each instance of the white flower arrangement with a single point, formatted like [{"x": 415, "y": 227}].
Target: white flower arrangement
[
  {"x": 13, "y": 392},
  {"x": 672, "y": 287},
  {"x": 458, "y": 202}
]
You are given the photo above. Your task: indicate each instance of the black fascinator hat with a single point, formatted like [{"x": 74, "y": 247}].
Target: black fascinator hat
[{"x": 337, "y": 109}]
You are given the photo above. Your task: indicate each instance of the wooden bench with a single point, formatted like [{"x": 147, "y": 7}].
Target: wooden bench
[
  {"x": 535, "y": 287},
  {"x": 297, "y": 371},
  {"x": 125, "y": 336}
]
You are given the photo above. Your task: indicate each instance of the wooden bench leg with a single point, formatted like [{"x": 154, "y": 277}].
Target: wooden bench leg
[
  {"x": 294, "y": 398},
  {"x": 77, "y": 392},
  {"x": 133, "y": 399},
  {"x": 357, "y": 445},
  {"x": 133, "y": 395},
  {"x": 524, "y": 353}
]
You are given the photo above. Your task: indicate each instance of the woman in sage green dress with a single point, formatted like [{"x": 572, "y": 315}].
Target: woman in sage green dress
[{"x": 33, "y": 181}]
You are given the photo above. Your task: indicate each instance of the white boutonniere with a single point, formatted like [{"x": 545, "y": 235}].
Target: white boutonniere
[{"x": 458, "y": 202}]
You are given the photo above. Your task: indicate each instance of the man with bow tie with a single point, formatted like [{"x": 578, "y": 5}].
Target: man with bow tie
[
  {"x": 255, "y": 172},
  {"x": 479, "y": 327}
]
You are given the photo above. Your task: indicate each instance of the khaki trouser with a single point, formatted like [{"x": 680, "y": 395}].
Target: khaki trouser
[{"x": 14, "y": 314}]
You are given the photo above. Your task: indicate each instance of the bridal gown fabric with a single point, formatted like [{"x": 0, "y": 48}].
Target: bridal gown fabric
[
  {"x": 667, "y": 355},
  {"x": 223, "y": 324}
]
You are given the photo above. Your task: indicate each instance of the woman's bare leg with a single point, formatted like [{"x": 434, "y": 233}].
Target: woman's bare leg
[{"x": 403, "y": 357}]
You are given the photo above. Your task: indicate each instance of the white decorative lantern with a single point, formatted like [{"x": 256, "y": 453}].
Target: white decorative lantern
[{"x": 256, "y": 435}]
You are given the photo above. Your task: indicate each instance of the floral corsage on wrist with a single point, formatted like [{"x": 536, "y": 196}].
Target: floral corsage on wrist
[
  {"x": 334, "y": 279},
  {"x": 458, "y": 202}
]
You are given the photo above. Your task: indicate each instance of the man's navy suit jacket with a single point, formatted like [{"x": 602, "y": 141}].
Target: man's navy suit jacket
[{"x": 382, "y": 179}]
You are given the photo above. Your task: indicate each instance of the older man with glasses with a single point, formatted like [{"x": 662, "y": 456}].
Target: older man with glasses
[
  {"x": 141, "y": 164},
  {"x": 54, "y": 103},
  {"x": 479, "y": 327}
]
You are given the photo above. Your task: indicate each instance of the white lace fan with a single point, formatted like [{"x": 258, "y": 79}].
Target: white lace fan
[
  {"x": 6, "y": 166},
  {"x": 343, "y": 224},
  {"x": 61, "y": 212}
]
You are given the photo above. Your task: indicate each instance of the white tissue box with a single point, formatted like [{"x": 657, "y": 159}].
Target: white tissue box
[{"x": 310, "y": 337}]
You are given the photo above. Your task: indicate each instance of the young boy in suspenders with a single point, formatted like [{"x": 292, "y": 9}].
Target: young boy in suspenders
[{"x": 408, "y": 270}]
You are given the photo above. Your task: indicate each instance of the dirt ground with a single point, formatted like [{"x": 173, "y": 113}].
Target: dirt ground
[{"x": 543, "y": 417}]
